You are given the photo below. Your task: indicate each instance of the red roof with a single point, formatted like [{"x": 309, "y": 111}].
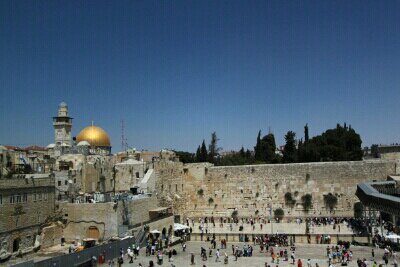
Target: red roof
[
  {"x": 35, "y": 147},
  {"x": 14, "y": 148}
]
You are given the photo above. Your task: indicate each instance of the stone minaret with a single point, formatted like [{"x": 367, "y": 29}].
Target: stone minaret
[{"x": 62, "y": 126}]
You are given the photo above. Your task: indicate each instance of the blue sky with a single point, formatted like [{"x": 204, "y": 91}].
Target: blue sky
[{"x": 175, "y": 71}]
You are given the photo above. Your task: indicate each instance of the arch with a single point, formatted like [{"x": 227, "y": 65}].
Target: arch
[
  {"x": 16, "y": 244},
  {"x": 93, "y": 232}
]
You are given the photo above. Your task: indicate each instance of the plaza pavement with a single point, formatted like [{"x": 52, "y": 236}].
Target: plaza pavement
[
  {"x": 287, "y": 228},
  {"x": 317, "y": 254}
]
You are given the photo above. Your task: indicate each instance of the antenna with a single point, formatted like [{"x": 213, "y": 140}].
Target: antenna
[{"x": 122, "y": 136}]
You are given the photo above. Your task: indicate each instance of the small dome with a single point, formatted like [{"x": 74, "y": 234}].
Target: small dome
[
  {"x": 51, "y": 146},
  {"x": 62, "y": 105},
  {"x": 64, "y": 144},
  {"x": 83, "y": 143},
  {"x": 95, "y": 136}
]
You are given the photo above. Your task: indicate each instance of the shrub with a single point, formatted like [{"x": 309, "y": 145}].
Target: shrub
[
  {"x": 200, "y": 192},
  {"x": 234, "y": 214},
  {"x": 257, "y": 212},
  {"x": 307, "y": 202},
  {"x": 279, "y": 213},
  {"x": 257, "y": 194},
  {"x": 289, "y": 201},
  {"x": 330, "y": 201},
  {"x": 210, "y": 201}
]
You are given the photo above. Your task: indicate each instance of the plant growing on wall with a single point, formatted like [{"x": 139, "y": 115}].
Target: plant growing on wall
[
  {"x": 200, "y": 192},
  {"x": 330, "y": 201},
  {"x": 358, "y": 210},
  {"x": 307, "y": 177},
  {"x": 210, "y": 201},
  {"x": 257, "y": 212},
  {"x": 279, "y": 213},
  {"x": 289, "y": 201},
  {"x": 234, "y": 214},
  {"x": 257, "y": 194},
  {"x": 307, "y": 202}
]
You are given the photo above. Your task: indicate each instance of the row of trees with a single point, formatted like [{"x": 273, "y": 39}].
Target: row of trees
[{"x": 342, "y": 143}]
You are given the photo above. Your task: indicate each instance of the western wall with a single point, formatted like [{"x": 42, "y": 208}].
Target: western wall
[{"x": 198, "y": 190}]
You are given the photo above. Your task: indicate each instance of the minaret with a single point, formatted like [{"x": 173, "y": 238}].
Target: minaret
[{"x": 62, "y": 126}]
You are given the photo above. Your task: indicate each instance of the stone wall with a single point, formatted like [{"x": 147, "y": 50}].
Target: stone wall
[
  {"x": 139, "y": 209},
  {"x": 84, "y": 215},
  {"x": 128, "y": 175},
  {"x": 254, "y": 189},
  {"x": 51, "y": 235},
  {"x": 107, "y": 217}
]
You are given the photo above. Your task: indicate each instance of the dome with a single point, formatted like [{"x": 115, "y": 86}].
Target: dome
[
  {"x": 83, "y": 143},
  {"x": 95, "y": 136},
  {"x": 62, "y": 105},
  {"x": 51, "y": 146}
]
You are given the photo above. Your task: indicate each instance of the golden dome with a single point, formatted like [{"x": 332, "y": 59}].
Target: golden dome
[{"x": 95, "y": 136}]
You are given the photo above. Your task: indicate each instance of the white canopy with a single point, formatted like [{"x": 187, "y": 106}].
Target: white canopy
[
  {"x": 178, "y": 226},
  {"x": 393, "y": 237},
  {"x": 155, "y": 232}
]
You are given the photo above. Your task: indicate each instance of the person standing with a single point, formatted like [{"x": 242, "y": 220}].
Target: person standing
[
  {"x": 217, "y": 254},
  {"x": 192, "y": 259},
  {"x": 299, "y": 263}
]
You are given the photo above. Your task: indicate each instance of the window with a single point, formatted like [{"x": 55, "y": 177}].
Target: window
[
  {"x": 15, "y": 199},
  {"x": 65, "y": 182},
  {"x": 59, "y": 183},
  {"x": 137, "y": 174},
  {"x": 45, "y": 196},
  {"x": 25, "y": 197},
  {"x": 75, "y": 181},
  {"x": 1, "y": 200},
  {"x": 34, "y": 197},
  {"x": 39, "y": 196},
  {"x": 176, "y": 188}
]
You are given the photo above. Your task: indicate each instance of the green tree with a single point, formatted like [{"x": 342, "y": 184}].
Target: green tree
[
  {"x": 185, "y": 157},
  {"x": 375, "y": 151},
  {"x": 289, "y": 151},
  {"x": 203, "y": 152},
  {"x": 213, "y": 148},
  {"x": 268, "y": 147},
  {"x": 257, "y": 148},
  {"x": 198, "y": 154}
]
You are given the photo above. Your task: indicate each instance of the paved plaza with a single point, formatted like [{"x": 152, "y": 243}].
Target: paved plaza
[
  {"x": 271, "y": 228},
  {"x": 317, "y": 254}
]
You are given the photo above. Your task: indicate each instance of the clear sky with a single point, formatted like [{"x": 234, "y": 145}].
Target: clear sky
[{"x": 175, "y": 71}]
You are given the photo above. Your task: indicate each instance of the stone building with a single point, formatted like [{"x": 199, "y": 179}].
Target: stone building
[{"x": 25, "y": 204}]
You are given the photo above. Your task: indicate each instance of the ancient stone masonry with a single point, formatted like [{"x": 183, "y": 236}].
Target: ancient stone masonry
[{"x": 260, "y": 189}]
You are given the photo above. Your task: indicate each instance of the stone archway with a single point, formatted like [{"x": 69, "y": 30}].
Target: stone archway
[{"x": 93, "y": 232}]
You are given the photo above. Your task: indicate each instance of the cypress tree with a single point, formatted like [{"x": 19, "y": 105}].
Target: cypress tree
[
  {"x": 257, "y": 148},
  {"x": 197, "y": 158},
  {"x": 289, "y": 152},
  {"x": 203, "y": 152}
]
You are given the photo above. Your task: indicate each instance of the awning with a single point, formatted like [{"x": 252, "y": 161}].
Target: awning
[{"x": 178, "y": 226}]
